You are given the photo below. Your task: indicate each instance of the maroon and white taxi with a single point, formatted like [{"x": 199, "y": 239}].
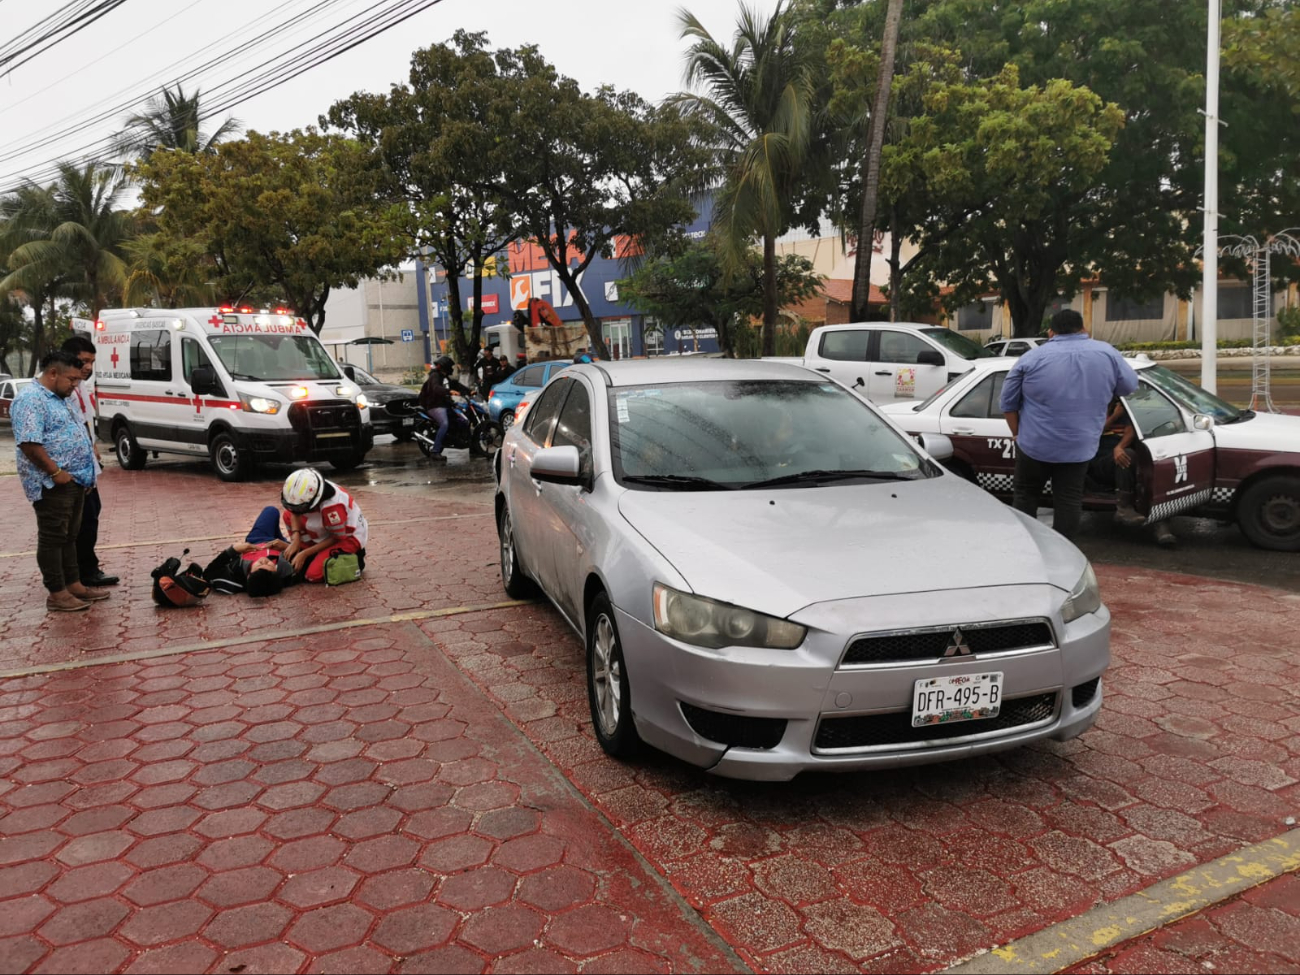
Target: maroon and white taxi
[{"x": 1196, "y": 453}]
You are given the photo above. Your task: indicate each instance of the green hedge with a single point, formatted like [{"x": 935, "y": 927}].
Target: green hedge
[{"x": 1222, "y": 344}]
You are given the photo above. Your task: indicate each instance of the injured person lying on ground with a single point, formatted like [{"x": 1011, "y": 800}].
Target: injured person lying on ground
[{"x": 256, "y": 565}]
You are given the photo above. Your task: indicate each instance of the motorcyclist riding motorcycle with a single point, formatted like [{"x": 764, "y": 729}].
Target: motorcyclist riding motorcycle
[{"x": 435, "y": 399}]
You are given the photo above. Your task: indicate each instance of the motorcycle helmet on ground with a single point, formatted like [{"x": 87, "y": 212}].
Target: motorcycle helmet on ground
[
  {"x": 174, "y": 588},
  {"x": 303, "y": 490}
]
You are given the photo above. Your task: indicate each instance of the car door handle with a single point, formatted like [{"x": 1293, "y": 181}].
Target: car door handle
[
  {"x": 823, "y": 369},
  {"x": 963, "y": 431},
  {"x": 883, "y": 372}
]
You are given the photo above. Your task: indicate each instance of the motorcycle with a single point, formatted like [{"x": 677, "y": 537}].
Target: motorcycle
[{"x": 470, "y": 428}]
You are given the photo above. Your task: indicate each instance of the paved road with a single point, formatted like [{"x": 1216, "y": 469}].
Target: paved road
[{"x": 398, "y": 775}]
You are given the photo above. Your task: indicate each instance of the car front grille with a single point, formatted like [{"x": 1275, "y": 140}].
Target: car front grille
[
  {"x": 329, "y": 416},
  {"x": 884, "y": 730},
  {"x": 932, "y": 643},
  {"x": 734, "y": 729}
]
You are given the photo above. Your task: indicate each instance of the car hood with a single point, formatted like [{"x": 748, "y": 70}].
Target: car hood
[
  {"x": 781, "y": 550},
  {"x": 1263, "y": 431}
]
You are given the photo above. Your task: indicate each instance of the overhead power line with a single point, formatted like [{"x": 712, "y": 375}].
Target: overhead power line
[
  {"x": 282, "y": 69},
  {"x": 77, "y": 21}
]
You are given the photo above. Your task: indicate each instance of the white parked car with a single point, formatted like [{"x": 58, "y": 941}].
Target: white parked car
[
  {"x": 1012, "y": 347},
  {"x": 1196, "y": 454},
  {"x": 890, "y": 361},
  {"x": 769, "y": 577}
]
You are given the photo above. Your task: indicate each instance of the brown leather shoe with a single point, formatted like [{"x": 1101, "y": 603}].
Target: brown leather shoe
[
  {"x": 65, "y": 602},
  {"x": 89, "y": 595}
]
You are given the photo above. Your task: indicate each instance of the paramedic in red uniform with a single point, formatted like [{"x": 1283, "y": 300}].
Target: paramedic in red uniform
[{"x": 320, "y": 519}]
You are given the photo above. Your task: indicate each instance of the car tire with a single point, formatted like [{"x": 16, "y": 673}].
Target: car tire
[
  {"x": 609, "y": 694},
  {"x": 516, "y": 584},
  {"x": 347, "y": 462},
  {"x": 404, "y": 436},
  {"x": 961, "y": 469},
  {"x": 1269, "y": 513},
  {"x": 230, "y": 461},
  {"x": 129, "y": 454},
  {"x": 507, "y": 420}
]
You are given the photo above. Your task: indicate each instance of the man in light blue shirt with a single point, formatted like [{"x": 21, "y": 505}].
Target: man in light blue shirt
[
  {"x": 56, "y": 466},
  {"x": 1055, "y": 399}
]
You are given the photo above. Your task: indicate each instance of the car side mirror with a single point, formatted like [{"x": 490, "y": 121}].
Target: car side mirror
[
  {"x": 203, "y": 380},
  {"x": 936, "y": 445},
  {"x": 558, "y": 465},
  {"x": 1203, "y": 421},
  {"x": 930, "y": 357}
]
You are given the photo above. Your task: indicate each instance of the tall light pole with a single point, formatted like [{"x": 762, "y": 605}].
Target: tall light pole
[{"x": 1210, "y": 241}]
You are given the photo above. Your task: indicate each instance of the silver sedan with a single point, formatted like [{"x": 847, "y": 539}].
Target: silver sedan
[{"x": 769, "y": 577}]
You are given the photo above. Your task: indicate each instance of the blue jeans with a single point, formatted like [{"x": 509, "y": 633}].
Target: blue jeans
[
  {"x": 439, "y": 415},
  {"x": 266, "y": 528}
]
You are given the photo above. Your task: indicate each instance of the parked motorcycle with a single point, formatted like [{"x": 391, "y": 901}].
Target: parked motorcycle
[{"x": 471, "y": 428}]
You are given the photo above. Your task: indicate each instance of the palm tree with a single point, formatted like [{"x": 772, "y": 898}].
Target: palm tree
[
  {"x": 167, "y": 272},
  {"x": 756, "y": 99},
  {"x": 68, "y": 238},
  {"x": 27, "y": 215},
  {"x": 172, "y": 121}
]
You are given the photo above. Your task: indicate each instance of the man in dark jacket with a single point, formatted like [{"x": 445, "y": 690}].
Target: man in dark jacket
[{"x": 435, "y": 399}]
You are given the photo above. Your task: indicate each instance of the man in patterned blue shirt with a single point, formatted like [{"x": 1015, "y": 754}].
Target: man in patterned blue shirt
[{"x": 57, "y": 467}]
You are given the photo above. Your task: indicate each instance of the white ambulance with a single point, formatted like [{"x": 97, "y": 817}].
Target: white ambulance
[{"x": 237, "y": 384}]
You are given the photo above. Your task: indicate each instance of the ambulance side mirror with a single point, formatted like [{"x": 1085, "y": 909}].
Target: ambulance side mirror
[{"x": 203, "y": 380}]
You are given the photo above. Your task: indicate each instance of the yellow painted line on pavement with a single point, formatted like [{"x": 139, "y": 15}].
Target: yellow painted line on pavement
[
  {"x": 1069, "y": 943},
  {"x": 261, "y": 636},
  {"x": 218, "y": 538}
]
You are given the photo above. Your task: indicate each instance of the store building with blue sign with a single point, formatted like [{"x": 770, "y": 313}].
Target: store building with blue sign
[{"x": 627, "y": 332}]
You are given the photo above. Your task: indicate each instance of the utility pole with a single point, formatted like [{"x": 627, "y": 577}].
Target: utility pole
[{"x": 1210, "y": 241}]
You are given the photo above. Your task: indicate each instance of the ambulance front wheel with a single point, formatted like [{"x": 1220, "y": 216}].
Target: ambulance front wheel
[
  {"x": 129, "y": 454},
  {"x": 229, "y": 460}
]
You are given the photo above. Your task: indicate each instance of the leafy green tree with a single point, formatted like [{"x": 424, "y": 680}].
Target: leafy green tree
[
  {"x": 433, "y": 145},
  {"x": 589, "y": 174},
  {"x": 14, "y": 330},
  {"x": 295, "y": 215},
  {"x": 172, "y": 121},
  {"x": 66, "y": 240},
  {"x": 694, "y": 289},
  {"x": 167, "y": 272},
  {"x": 756, "y": 98}
]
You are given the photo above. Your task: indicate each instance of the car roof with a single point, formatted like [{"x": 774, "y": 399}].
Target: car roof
[
  {"x": 848, "y": 325},
  {"x": 1007, "y": 361},
  {"x": 673, "y": 369}
]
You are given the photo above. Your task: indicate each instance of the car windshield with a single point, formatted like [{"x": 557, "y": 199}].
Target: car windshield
[
  {"x": 958, "y": 343},
  {"x": 1191, "y": 396},
  {"x": 363, "y": 378},
  {"x": 273, "y": 358},
  {"x": 733, "y": 434}
]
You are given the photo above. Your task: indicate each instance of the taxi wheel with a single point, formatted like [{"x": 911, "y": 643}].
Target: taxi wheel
[
  {"x": 129, "y": 454},
  {"x": 229, "y": 460},
  {"x": 517, "y": 585},
  {"x": 1269, "y": 513},
  {"x": 608, "y": 692}
]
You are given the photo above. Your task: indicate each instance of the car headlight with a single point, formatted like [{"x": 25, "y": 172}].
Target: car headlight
[
  {"x": 259, "y": 404},
  {"x": 362, "y": 402},
  {"x": 1084, "y": 598},
  {"x": 706, "y": 623}
]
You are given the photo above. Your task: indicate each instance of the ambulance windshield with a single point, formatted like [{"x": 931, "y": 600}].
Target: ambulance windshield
[{"x": 274, "y": 358}]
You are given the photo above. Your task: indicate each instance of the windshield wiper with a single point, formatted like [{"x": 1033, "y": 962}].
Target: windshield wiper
[
  {"x": 824, "y": 477},
  {"x": 1241, "y": 415},
  {"x": 683, "y": 482}
]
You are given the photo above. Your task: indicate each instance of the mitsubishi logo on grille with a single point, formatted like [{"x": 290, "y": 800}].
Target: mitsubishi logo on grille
[{"x": 958, "y": 645}]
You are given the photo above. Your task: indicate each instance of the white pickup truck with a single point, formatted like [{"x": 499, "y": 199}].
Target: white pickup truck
[{"x": 891, "y": 360}]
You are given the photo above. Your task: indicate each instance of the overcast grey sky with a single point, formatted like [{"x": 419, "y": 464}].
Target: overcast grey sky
[{"x": 131, "y": 52}]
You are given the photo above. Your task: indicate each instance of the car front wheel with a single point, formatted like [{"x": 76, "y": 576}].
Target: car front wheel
[
  {"x": 517, "y": 585},
  {"x": 1269, "y": 513},
  {"x": 608, "y": 692},
  {"x": 507, "y": 420}
]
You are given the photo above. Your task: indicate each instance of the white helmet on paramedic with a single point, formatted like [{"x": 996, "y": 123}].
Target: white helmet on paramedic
[{"x": 303, "y": 490}]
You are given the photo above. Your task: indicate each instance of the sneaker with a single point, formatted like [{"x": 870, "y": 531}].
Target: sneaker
[{"x": 65, "y": 602}]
